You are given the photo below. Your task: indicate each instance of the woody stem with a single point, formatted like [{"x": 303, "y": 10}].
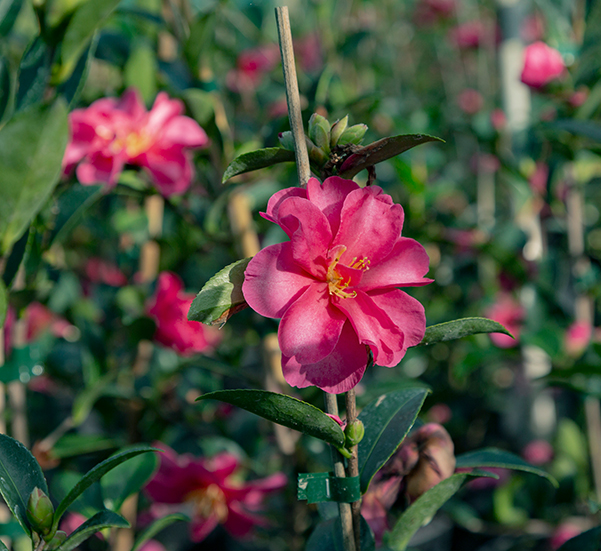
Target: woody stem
[{"x": 352, "y": 468}]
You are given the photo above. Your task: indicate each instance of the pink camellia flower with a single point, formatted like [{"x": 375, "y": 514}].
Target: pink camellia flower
[
  {"x": 470, "y": 101},
  {"x": 538, "y": 452},
  {"x": 577, "y": 338},
  {"x": 538, "y": 179},
  {"x": 542, "y": 64},
  {"x": 425, "y": 458},
  {"x": 209, "y": 491},
  {"x": 169, "y": 308},
  {"x": 469, "y": 34},
  {"x": 510, "y": 314},
  {"x": 566, "y": 531},
  {"x": 100, "y": 271},
  {"x": 114, "y": 132},
  {"x": 334, "y": 283},
  {"x": 498, "y": 119},
  {"x": 252, "y": 65}
]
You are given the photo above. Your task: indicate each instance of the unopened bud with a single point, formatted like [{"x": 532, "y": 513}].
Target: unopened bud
[
  {"x": 58, "y": 539},
  {"x": 40, "y": 511},
  {"x": 353, "y": 135},
  {"x": 337, "y": 129},
  {"x": 316, "y": 155},
  {"x": 286, "y": 140},
  {"x": 319, "y": 132},
  {"x": 354, "y": 433}
]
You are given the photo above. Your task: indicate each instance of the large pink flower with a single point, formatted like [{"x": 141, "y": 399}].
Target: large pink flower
[
  {"x": 112, "y": 133},
  {"x": 169, "y": 308},
  {"x": 334, "y": 283},
  {"x": 542, "y": 64},
  {"x": 208, "y": 489}
]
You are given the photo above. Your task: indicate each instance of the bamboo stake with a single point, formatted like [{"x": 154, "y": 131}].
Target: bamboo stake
[{"x": 353, "y": 466}]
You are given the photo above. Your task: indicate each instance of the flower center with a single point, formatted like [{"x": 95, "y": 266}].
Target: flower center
[
  {"x": 134, "y": 143},
  {"x": 337, "y": 281},
  {"x": 209, "y": 501}
]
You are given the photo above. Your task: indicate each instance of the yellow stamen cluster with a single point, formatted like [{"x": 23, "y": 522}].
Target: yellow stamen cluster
[
  {"x": 208, "y": 501},
  {"x": 336, "y": 283}
]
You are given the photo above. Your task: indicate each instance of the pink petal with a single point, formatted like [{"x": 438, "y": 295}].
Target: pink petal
[
  {"x": 100, "y": 168},
  {"x": 171, "y": 169},
  {"x": 338, "y": 372},
  {"x": 374, "y": 328},
  {"x": 184, "y": 132},
  {"x": 406, "y": 312},
  {"x": 309, "y": 232},
  {"x": 240, "y": 522},
  {"x": 132, "y": 104},
  {"x": 405, "y": 266},
  {"x": 276, "y": 200},
  {"x": 272, "y": 483},
  {"x": 310, "y": 327},
  {"x": 329, "y": 197},
  {"x": 201, "y": 527},
  {"x": 162, "y": 111},
  {"x": 370, "y": 225},
  {"x": 273, "y": 281}
]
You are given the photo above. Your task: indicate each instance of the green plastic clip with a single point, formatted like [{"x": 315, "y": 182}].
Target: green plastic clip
[{"x": 319, "y": 487}]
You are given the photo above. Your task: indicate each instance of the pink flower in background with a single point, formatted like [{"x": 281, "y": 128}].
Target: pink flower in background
[
  {"x": 425, "y": 458},
  {"x": 538, "y": 179},
  {"x": 470, "y": 101},
  {"x": 210, "y": 492},
  {"x": 577, "y": 338},
  {"x": 533, "y": 28},
  {"x": 251, "y": 67},
  {"x": 542, "y": 64},
  {"x": 428, "y": 12},
  {"x": 538, "y": 452},
  {"x": 100, "y": 271},
  {"x": 169, "y": 308},
  {"x": 334, "y": 284},
  {"x": 308, "y": 52},
  {"x": 114, "y": 132},
  {"x": 498, "y": 119},
  {"x": 566, "y": 531},
  {"x": 510, "y": 314},
  {"x": 469, "y": 34}
]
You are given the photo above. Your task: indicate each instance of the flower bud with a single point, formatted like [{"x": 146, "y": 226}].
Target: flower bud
[
  {"x": 58, "y": 539},
  {"x": 319, "y": 132},
  {"x": 316, "y": 155},
  {"x": 40, "y": 511},
  {"x": 354, "y": 433},
  {"x": 353, "y": 135},
  {"x": 286, "y": 140},
  {"x": 337, "y": 129}
]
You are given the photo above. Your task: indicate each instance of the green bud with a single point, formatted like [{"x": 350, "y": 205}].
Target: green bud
[
  {"x": 354, "y": 433},
  {"x": 40, "y": 512},
  {"x": 354, "y": 134},
  {"x": 337, "y": 129},
  {"x": 319, "y": 132},
  {"x": 316, "y": 155},
  {"x": 286, "y": 140},
  {"x": 58, "y": 539}
]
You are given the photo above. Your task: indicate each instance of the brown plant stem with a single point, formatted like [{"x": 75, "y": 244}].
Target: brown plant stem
[{"x": 352, "y": 468}]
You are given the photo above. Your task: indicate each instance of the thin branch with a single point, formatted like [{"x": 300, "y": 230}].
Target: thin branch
[{"x": 353, "y": 466}]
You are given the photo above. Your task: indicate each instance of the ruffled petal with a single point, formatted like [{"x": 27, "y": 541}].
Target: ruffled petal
[
  {"x": 240, "y": 522},
  {"x": 338, "y": 372},
  {"x": 374, "y": 328},
  {"x": 132, "y": 104},
  {"x": 273, "y": 281},
  {"x": 405, "y": 266},
  {"x": 100, "y": 168},
  {"x": 163, "y": 110},
  {"x": 278, "y": 198},
  {"x": 201, "y": 527},
  {"x": 170, "y": 169},
  {"x": 329, "y": 197},
  {"x": 311, "y": 327},
  {"x": 183, "y": 132},
  {"x": 370, "y": 225}
]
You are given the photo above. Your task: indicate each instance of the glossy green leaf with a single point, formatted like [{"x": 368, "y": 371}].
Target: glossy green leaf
[
  {"x": 588, "y": 61},
  {"x": 221, "y": 297},
  {"x": 381, "y": 150},
  {"x": 101, "y": 520},
  {"x": 386, "y": 420},
  {"x": 19, "y": 475},
  {"x": 9, "y": 10},
  {"x": 5, "y": 87},
  {"x": 587, "y": 541},
  {"x": 16, "y": 256},
  {"x": 88, "y": 503},
  {"x": 86, "y": 19},
  {"x": 457, "y": 329},
  {"x": 127, "y": 479},
  {"x": 32, "y": 144},
  {"x": 284, "y": 410},
  {"x": 156, "y": 527},
  {"x": 140, "y": 71},
  {"x": 71, "y": 205},
  {"x": 586, "y": 129},
  {"x": 327, "y": 536},
  {"x": 492, "y": 457},
  {"x": 3, "y": 304},
  {"x": 421, "y": 511},
  {"x": 254, "y": 160},
  {"x": 3, "y": 546},
  {"x": 96, "y": 474},
  {"x": 73, "y": 444},
  {"x": 71, "y": 88},
  {"x": 34, "y": 74}
]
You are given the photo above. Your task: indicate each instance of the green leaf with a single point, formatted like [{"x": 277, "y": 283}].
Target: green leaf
[
  {"x": 327, "y": 536},
  {"x": 381, "y": 150},
  {"x": 3, "y": 304},
  {"x": 88, "y": 503},
  {"x": 493, "y": 457},
  {"x": 19, "y": 475},
  {"x": 5, "y": 87},
  {"x": 86, "y": 19},
  {"x": 457, "y": 329},
  {"x": 95, "y": 474},
  {"x": 31, "y": 151},
  {"x": 101, "y": 520},
  {"x": 587, "y": 541},
  {"x": 587, "y": 129},
  {"x": 72, "y": 87},
  {"x": 422, "y": 510},
  {"x": 254, "y": 160},
  {"x": 9, "y": 10},
  {"x": 387, "y": 420},
  {"x": 221, "y": 297},
  {"x": 34, "y": 74},
  {"x": 140, "y": 71},
  {"x": 588, "y": 61},
  {"x": 3, "y": 546},
  {"x": 284, "y": 410},
  {"x": 71, "y": 206},
  {"x": 156, "y": 527},
  {"x": 127, "y": 479}
]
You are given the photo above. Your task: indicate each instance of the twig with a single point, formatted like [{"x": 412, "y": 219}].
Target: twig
[
  {"x": 353, "y": 465},
  {"x": 292, "y": 95}
]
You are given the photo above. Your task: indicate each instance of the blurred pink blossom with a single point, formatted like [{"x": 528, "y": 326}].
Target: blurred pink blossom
[
  {"x": 169, "y": 308},
  {"x": 498, "y": 119},
  {"x": 252, "y": 65},
  {"x": 578, "y": 97},
  {"x": 209, "y": 490},
  {"x": 100, "y": 271},
  {"x": 538, "y": 179},
  {"x": 470, "y": 101},
  {"x": 533, "y": 28},
  {"x": 509, "y": 313},
  {"x": 112, "y": 132},
  {"x": 538, "y": 452},
  {"x": 440, "y": 413},
  {"x": 428, "y": 12},
  {"x": 469, "y": 34},
  {"x": 308, "y": 52},
  {"x": 542, "y": 64},
  {"x": 564, "y": 532},
  {"x": 577, "y": 338}
]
